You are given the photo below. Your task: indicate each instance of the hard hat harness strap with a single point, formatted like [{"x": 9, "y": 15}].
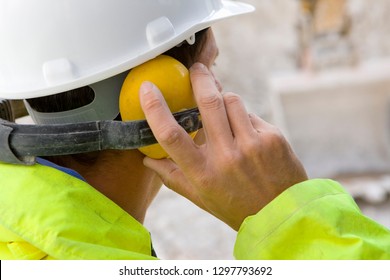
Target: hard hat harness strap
[{"x": 21, "y": 144}]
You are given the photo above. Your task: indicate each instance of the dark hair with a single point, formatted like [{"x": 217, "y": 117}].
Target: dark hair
[
  {"x": 76, "y": 98},
  {"x": 188, "y": 54}
]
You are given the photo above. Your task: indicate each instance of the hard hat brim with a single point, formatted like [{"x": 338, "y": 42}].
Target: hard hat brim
[{"x": 27, "y": 76}]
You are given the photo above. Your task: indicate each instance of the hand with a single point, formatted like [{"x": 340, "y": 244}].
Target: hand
[{"x": 243, "y": 164}]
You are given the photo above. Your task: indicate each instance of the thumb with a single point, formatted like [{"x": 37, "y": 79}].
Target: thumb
[{"x": 171, "y": 176}]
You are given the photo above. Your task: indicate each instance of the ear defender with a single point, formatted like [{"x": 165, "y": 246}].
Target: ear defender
[{"x": 173, "y": 80}]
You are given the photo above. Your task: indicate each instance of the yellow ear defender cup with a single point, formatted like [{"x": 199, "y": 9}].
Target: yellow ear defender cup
[{"x": 173, "y": 80}]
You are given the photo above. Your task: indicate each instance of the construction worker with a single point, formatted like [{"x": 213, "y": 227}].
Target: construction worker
[{"x": 67, "y": 194}]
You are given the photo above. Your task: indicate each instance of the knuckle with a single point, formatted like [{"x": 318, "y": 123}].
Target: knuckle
[
  {"x": 168, "y": 179},
  {"x": 152, "y": 104},
  {"x": 169, "y": 135},
  {"x": 230, "y": 160},
  {"x": 199, "y": 74},
  {"x": 276, "y": 135},
  {"x": 275, "y": 139},
  {"x": 252, "y": 147},
  {"x": 231, "y": 98},
  {"x": 211, "y": 101}
]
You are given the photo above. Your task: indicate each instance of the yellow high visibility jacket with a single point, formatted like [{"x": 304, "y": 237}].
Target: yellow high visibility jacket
[
  {"x": 315, "y": 219},
  {"x": 48, "y": 214}
]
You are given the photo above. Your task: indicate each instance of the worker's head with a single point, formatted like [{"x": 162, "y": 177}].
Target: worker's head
[
  {"x": 99, "y": 101},
  {"x": 86, "y": 47},
  {"x": 68, "y": 58}
]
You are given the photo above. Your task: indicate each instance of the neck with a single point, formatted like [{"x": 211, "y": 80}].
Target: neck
[{"x": 121, "y": 176}]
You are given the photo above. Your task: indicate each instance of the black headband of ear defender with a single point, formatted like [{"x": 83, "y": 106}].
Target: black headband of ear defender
[{"x": 21, "y": 144}]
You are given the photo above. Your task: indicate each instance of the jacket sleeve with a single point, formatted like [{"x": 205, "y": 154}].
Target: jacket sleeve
[{"x": 315, "y": 219}]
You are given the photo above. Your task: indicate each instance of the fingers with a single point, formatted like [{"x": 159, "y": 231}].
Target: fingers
[
  {"x": 259, "y": 124},
  {"x": 172, "y": 137},
  {"x": 170, "y": 174},
  {"x": 211, "y": 106},
  {"x": 173, "y": 178},
  {"x": 239, "y": 120}
]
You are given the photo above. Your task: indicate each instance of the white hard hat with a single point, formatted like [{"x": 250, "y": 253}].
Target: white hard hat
[{"x": 50, "y": 46}]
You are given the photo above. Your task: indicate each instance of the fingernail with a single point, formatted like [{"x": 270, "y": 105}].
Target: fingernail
[
  {"x": 146, "y": 87},
  {"x": 198, "y": 67}
]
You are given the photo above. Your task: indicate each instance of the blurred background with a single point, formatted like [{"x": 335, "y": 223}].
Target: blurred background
[{"x": 320, "y": 71}]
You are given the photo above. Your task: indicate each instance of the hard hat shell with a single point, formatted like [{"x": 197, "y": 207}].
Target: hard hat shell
[{"x": 47, "y": 46}]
